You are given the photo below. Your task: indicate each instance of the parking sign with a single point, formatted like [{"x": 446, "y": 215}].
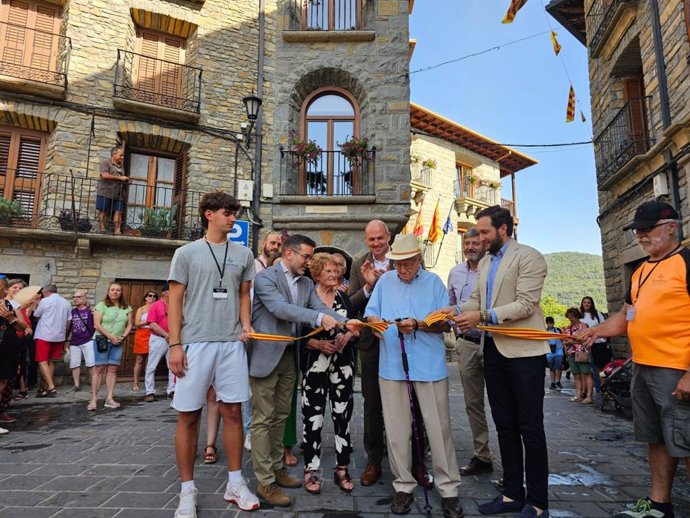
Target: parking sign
[{"x": 240, "y": 233}]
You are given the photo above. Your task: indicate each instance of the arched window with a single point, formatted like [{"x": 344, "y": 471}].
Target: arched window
[{"x": 330, "y": 116}]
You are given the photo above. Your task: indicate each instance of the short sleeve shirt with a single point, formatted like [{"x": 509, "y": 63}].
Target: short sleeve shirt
[
  {"x": 205, "y": 319},
  {"x": 82, "y": 326},
  {"x": 111, "y": 189},
  {"x": 53, "y": 313},
  {"x": 660, "y": 332},
  {"x": 114, "y": 318},
  {"x": 158, "y": 313}
]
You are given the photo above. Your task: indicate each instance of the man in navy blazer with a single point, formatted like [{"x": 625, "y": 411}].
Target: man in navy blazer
[{"x": 283, "y": 300}]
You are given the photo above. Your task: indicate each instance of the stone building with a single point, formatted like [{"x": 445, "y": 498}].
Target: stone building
[
  {"x": 165, "y": 79},
  {"x": 460, "y": 170},
  {"x": 639, "y": 54}
]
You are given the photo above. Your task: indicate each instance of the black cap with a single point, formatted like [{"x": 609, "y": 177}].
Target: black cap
[{"x": 649, "y": 213}]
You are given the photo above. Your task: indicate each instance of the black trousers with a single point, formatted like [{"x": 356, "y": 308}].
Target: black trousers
[
  {"x": 515, "y": 387},
  {"x": 374, "y": 443}
]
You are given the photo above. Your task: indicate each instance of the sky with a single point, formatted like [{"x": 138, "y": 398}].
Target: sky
[{"x": 515, "y": 95}]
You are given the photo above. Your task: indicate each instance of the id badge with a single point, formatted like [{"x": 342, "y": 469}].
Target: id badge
[
  {"x": 220, "y": 293},
  {"x": 630, "y": 315}
]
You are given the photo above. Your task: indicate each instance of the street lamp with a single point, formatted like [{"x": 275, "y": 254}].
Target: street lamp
[{"x": 252, "y": 104}]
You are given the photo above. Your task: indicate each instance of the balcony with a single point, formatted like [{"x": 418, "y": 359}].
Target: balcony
[
  {"x": 33, "y": 61},
  {"x": 624, "y": 138},
  {"x": 157, "y": 87},
  {"x": 327, "y": 20},
  {"x": 330, "y": 175},
  {"x": 602, "y": 19},
  {"x": 421, "y": 176},
  {"x": 471, "y": 198},
  {"x": 68, "y": 205},
  {"x": 510, "y": 205}
]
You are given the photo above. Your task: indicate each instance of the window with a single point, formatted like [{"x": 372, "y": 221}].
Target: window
[
  {"x": 464, "y": 186},
  {"x": 29, "y": 40},
  {"x": 330, "y": 117},
  {"x": 22, "y": 156},
  {"x": 159, "y": 68},
  {"x": 331, "y": 15},
  {"x": 157, "y": 184}
]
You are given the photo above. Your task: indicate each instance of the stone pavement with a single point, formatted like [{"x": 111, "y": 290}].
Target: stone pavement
[{"x": 60, "y": 460}]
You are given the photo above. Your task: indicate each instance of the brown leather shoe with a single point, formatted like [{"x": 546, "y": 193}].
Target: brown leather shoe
[
  {"x": 402, "y": 503},
  {"x": 283, "y": 479},
  {"x": 273, "y": 495},
  {"x": 371, "y": 475}
]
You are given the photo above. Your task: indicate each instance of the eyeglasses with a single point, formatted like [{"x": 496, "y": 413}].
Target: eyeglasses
[
  {"x": 149, "y": 295},
  {"x": 306, "y": 257},
  {"x": 406, "y": 266},
  {"x": 78, "y": 296},
  {"x": 638, "y": 231}
]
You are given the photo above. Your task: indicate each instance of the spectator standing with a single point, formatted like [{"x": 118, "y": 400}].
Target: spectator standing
[
  {"x": 142, "y": 334},
  {"x": 341, "y": 263},
  {"x": 112, "y": 318},
  {"x": 112, "y": 190},
  {"x": 580, "y": 367},
  {"x": 555, "y": 358},
  {"x": 209, "y": 317},
  {"x": 11, "y": 322},
  {"x": 81, "y": 344},
  {"x": 24, "y": 311},
  {"x": 157, "y": 319},
  {"x": 270, "y": 245},
  {"x": 54, "y": 314},
  {"x": 660, "y": 389},
  {"x": 462, "y": 279},
  {"x": 601, "y": 351}
]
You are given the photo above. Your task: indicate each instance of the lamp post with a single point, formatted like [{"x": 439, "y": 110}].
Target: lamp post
[{"x": 252, "y": 103}]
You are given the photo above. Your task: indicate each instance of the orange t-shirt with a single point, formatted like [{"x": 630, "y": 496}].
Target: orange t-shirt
[{"x": 660, "y": 332}]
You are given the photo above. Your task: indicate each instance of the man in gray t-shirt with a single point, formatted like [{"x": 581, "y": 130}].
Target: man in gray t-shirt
[
  {"x": 112, "y": 189},
  {"x": 209, "y": 318}
]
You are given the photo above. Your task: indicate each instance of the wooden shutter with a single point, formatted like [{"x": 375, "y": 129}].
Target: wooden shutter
[
  {"x": 4, "y": 160},
  {"x": 44, "y": 51},
  {"x": 171, "y": 76},
  {"x": 28, "y": 166},
  {"x": 633, "y": 93},
  {"x": 14, "y": 41},
  {"x": 159, "y": 69},
  {"x": 179, "y": 190},
  {"x": 30, "y": 37},
  {"x": 146, "y": 71}
]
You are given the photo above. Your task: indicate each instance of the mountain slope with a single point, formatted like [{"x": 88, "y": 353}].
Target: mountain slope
[{"x": 572, "y": 275}]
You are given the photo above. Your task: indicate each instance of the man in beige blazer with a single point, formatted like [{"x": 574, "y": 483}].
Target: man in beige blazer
[{"x": 510, "y": 279}]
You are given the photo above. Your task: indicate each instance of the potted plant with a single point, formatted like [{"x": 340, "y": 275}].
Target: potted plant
[
  {"x": 9, "y": 209},
  {"x": 307, "y": 151},
  {"x": 493, "y": 185},
  {"x": 430, "y": 163},
  {"x": 474, "y": 180},
  {"x": 156, "y": 222},
  {"x": 71, "y": 221},
  {"x": 354, "y": 149}
]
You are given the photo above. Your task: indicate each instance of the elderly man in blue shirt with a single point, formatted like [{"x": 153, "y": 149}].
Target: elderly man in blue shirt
[{"x": 410, "y": 293}]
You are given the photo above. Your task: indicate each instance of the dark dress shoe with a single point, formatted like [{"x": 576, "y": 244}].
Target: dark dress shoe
[
  {"x": 402, "y": 503},
  {"x": 477, "y": 466},
  {"x": 371, "y": 475},
  {"x": 423, "y": 477},
  {"x": 452, "y": 508},
  {"x": 498, "y": 506},
  {"x": 530, "y": 512}
]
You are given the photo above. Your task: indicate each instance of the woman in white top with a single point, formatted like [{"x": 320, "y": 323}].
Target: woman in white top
[{"x": 593, "y": 317}]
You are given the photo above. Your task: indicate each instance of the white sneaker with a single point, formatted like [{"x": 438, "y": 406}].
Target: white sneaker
[
  {"x": 187, "y": 505},
  {"x": 248, "y": 442},
  {"x": 3, "y": 431},
  {"x": 240, "y": 495}
]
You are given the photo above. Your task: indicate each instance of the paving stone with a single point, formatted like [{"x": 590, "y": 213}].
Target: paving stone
[
  {"x": 36, "y": 512},
  {"x": 90, "y": 512},
  {"x": 24, "y": 481},
  {"x": 139, "y": 500},
  {"x": 77, "y": 499},
  {"x": 28, "y": 499}
]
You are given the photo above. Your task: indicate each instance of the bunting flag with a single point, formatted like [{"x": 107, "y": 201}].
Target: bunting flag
[
  {"x": 448, "y": 226},
  {"x": 582, "y": 116},
  {"x": 418, "y": 229},
  {"x": 554, "y": 41},
  {"x": 515, "y": 6},
  {"x": 570, "y": 112},
  {"x": 434, "y": 233}
]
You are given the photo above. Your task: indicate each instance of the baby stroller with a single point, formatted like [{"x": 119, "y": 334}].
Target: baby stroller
[{"x": 615, "y": 388}]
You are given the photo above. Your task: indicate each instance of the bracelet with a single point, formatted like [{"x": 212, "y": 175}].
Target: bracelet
[
  {"x": 416, "y": 324},
  {"x": 175, "y": 345}
]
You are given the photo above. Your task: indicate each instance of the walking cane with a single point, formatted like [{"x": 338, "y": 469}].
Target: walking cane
[{"x": 415, "y": 426}]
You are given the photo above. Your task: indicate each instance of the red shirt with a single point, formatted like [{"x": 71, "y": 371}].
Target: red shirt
[{"x": 158, "y": 313}]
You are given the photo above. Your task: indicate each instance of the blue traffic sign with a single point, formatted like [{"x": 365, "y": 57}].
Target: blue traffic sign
[{"x": 240, "y": 233}]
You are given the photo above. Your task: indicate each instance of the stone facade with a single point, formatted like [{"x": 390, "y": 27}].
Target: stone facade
[{"x": 633, "y": 144}]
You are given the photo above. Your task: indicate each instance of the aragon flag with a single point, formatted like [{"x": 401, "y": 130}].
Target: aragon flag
[
  {"x": 515, "y": 6},
  {"x": 570, "y": 112},
  {"x": 434, "y": 233},
  {"x": 554, "y": 41}
]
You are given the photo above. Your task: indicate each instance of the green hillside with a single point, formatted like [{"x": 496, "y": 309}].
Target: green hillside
[{"x": 572, "y": 275}]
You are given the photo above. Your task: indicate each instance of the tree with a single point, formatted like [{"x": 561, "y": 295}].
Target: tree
[{"x": 552, "y": 308}]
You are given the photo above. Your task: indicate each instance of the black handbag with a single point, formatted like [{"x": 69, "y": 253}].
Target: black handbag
[{"x": 101, "y": 343}]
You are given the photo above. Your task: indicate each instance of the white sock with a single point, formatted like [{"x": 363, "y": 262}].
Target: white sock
[
  {"x": 188, "y": 486},
  {"x": 234, "y": 477}
]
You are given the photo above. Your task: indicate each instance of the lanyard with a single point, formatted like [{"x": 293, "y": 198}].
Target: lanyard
[
  {"x": 641, "y": 281},
  {"x": 221, "y": 272}
]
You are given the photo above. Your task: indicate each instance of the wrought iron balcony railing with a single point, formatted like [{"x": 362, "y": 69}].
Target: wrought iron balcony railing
[
  {"x": 422, "y": 176},
  {"x": 330, "y": 174},
  {"x": 481, "y": 193},
  {"x": 157, "y": 82},
  {"x": 327, "y": 15},
  {"x": 68, "y": 203},
  {"x": 34, "y": 55},
  {"x": 626, "y": 136},
  {"x": 601, "y": 18},
  {"x": 510, "y": 205}
]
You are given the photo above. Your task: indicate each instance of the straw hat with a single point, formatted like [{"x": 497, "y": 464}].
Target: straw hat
[
  {"x": 404, "y": 247},
  {"x": 26, "y": 294}
]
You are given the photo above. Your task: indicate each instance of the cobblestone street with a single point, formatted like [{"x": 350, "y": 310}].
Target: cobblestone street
[{"x": 59, "y": 460}]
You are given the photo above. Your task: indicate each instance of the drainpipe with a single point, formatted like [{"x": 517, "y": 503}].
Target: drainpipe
[
  {"x": 665, "y": 103},
  {"x": 256, "y": 199}
]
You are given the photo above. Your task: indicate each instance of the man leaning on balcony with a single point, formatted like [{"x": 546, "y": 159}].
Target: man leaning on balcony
[{"x": 110, "y": 198}]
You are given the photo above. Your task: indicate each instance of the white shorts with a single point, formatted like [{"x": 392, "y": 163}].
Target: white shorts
[
  {"x": 221, "y": 364},
  {"x": 76, "y": 352}
]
